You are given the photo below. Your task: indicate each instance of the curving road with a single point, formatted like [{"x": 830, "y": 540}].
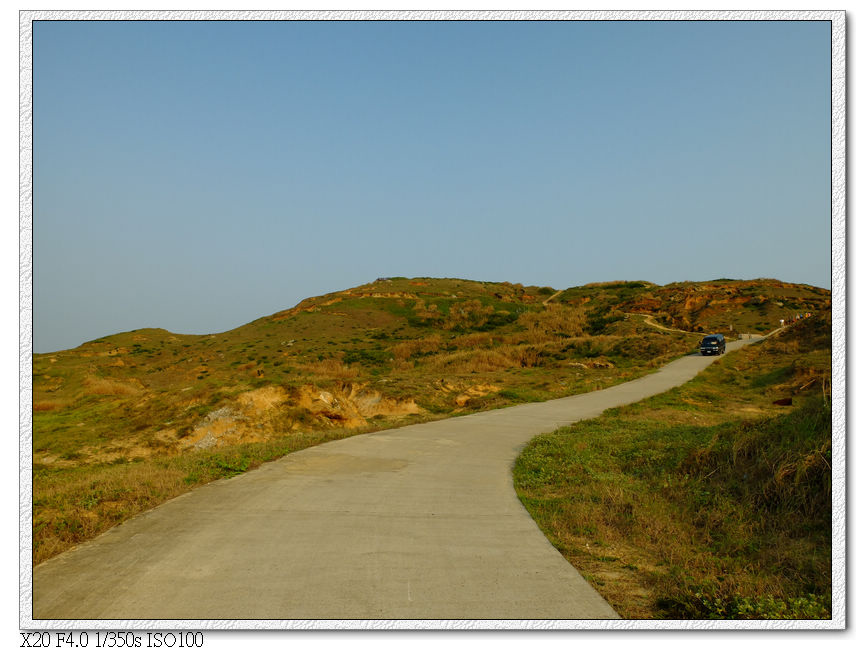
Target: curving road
[{"x": 420, "y": 522}]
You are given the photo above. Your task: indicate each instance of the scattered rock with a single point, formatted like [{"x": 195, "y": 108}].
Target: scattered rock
[
  {"x": 600, "y": 363},
  {"x": 351, "y": 404},
  {"x": 206, "y": 442},
  {"x": 261, "y": 399},
  {"x": 225, "y": 412},
  {"x": 476, "y": 391}
]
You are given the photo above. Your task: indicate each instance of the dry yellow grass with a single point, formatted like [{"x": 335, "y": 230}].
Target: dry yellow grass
[
  {"x": 331, "y": 369},
  {"x": 525, "y": 356},
  {"x": 474, "y": 341},
  {"x": 104, "y": 386},
  {"x": 556, "y": 319},
  {"x": 407, "y": 349},
  {"x": 425, "y": 313},
  {"x": 481, "y": 360},
  {"x": 49, "y": 404},
  {"x": 471, "y": 361},
  {"x": 468, "y": 314},
  {"x": 80, "y": 506}
]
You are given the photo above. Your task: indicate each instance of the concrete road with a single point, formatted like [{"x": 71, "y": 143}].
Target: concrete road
[{"x": 420, "y": 522}]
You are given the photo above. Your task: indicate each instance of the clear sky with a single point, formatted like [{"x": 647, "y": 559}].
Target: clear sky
[{"x": 198, "y": 175}]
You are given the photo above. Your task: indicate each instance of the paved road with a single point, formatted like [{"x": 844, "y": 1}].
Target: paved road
[{"x": 420, "y": 522}]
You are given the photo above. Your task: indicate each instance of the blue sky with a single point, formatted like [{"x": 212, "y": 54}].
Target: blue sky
[{"x": 198, "y": 175}]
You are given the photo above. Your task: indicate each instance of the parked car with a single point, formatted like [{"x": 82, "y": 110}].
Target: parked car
[{"x": 713, "y": 344}]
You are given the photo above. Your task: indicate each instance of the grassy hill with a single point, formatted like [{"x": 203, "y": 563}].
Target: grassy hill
[
  {"x": 712, "y": 500},
  {"x": 126, "y": 421},
  {"x": 754, "y": 306}
]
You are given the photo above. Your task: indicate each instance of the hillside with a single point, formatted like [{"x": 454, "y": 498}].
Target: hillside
[
  {"x": 755, "y": 306},
  {"x": 712, "y": 500},
  {"x": 390, "y": 350},
  {"x": 394, "y": 351}
]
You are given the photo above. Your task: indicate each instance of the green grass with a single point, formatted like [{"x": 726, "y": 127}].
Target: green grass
[{"x": 705, "y": 502}]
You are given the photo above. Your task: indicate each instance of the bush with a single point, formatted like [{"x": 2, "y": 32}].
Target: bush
[
  {"x": 555, "y": 320},
  {"x": 706, "y": 600}
]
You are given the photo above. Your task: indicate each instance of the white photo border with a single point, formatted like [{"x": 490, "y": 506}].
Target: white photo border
[{"x": 839, "y": 320}]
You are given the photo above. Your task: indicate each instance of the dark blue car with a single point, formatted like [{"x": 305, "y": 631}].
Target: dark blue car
[{"x": 713, "y": 344}]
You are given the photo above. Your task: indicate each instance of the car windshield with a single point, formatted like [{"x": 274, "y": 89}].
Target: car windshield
[{"x": 710, "y": 341}]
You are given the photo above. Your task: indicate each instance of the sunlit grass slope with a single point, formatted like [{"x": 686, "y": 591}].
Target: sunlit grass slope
[
  {"x": 709, "y": 501},
  {"x": 126, "y": 421}
]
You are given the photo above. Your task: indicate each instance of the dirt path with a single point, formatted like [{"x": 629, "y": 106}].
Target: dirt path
[
  {"x": 555, "y": 295},
  {"x": 650, "y": 320},
  {"x": 420, "y": 522}
]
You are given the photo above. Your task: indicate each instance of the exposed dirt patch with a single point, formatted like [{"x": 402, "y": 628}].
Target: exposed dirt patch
[
  {"x": 479, "y": 390},
  {"x": 262, "y": 399},
  {"x": 351, "y": 405},
  {"x": 231, "y": 425},
  {"x": 228, "y": 429},
  {"x": 465, "y": 393},
  {"x": 250, "y": 418}
]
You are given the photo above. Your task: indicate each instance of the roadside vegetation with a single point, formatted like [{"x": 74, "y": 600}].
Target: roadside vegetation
[
  {"x": 125, "y": 422},
  {"x": 708, "y": 501}
]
